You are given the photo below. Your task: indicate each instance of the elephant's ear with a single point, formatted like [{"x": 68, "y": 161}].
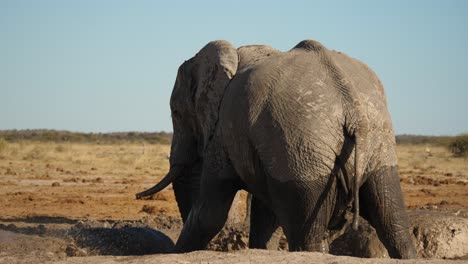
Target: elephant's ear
[{"x": 216, "y": 64}]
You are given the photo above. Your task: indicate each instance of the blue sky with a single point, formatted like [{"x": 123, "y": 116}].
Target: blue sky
[{"x": 101, "y": 66}]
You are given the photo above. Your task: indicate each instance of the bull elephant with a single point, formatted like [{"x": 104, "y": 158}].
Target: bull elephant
[{"x": 306, "y": 131}]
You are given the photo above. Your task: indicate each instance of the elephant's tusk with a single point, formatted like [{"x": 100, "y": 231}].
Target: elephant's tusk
[{"x": 168, "y": 179}]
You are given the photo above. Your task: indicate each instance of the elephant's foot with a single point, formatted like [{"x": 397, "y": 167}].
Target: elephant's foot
[
  {"x": 385, "y": 210},
  {"x": 264, "y": 227}
]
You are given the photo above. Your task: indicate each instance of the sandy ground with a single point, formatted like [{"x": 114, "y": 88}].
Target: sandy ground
[
  {"x": 431, "y": 177},
  {"x": 82, "y": 181},
  {"x": 47, "y": 186},
  {"x": 243, "y": 256}
]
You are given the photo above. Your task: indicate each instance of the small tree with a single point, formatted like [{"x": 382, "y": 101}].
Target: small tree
[{"x": 459, "y": 146}]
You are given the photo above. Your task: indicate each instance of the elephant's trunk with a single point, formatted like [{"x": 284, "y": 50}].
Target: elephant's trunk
[
  {"x": 173, "y": 173},
  {"x": 187, "y": 188}
]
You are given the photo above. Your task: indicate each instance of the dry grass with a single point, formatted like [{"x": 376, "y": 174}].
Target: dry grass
[
  {"x": 80, "y": 180},
  {"x": 122, "y": 159},
  {"x": 89, "y": 180},
  {"x": 432, "y": 176},
  {"x": 433, "y": 160}
]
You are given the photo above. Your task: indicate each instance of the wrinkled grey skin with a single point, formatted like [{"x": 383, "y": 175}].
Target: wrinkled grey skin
[{"x": 306, "y": 131}]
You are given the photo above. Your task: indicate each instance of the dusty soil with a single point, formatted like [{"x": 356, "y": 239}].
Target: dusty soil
[
  {"x": 243, "y": 256},
  {"x": 431, "y": 177},
  {"x": 58, "y": 200}
]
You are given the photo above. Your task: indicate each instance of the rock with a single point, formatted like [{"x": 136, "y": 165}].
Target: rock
[
  {"x": 435, "y": 234},
  {"x": 74, "y": 251},
  {"x": 230, "y": 238},
  {"x": 439, "y": 235},
  {"x": 149, "y": 209},
  {"x": 363, "y": 243},
  {"x": 443, "y": 202}
]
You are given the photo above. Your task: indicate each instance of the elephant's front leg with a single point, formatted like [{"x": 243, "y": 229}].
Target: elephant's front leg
[
  {"x": 383, "y": 206},
  {"x": 219, "y": 185},
  {"x": 264, "y": 227}
]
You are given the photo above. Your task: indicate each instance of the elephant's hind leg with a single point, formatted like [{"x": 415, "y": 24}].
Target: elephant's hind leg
[
  {"x": 383, "y": 206},
  {"x": 264, "y": 227},
  {"x": 307, "y": 214},
  {"x": 210, "y": 212}
]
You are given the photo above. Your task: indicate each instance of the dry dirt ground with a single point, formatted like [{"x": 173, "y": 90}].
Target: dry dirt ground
[{"x": 51, "y": 193}]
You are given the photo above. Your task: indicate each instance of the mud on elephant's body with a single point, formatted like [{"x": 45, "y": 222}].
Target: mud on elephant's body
[{"x": 307, "y": 132}]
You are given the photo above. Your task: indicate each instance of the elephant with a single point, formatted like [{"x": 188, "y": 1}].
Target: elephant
[{"x": 306, "y": 131}]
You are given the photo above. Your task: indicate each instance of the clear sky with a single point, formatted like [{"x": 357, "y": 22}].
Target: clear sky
[{"x": 101, "y": 66}]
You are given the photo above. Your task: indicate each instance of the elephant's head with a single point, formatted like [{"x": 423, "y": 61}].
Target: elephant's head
[{"x": 195, "y": 101}]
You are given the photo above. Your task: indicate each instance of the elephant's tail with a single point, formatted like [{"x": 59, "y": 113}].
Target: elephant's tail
[{"x": 359, "y": 167}]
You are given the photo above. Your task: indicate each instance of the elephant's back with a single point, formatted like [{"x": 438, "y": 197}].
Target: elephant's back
[
  {"x": 285, "y": 112},
  {"x": 295, "y": 91},
  {"x": 371, "y": 95},
  {"x": 288, "y": 113},
  {"x": 368, "y": 88}
]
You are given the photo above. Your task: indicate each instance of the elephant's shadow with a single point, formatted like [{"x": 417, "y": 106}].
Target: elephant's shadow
[
  {"x": 122, "y": 241},
  {"x": 83, "y": 239}
]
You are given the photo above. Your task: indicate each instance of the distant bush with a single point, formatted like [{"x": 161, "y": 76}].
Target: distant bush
[
  {"x": 36, "y": 153},
  {"x": 3, "y": 145},
  {"x": 60, "y": 148},
  {"x": 459, "y": 146},
  {"x": 427, "y": 140},
  {"x": 56, "y": 136}
]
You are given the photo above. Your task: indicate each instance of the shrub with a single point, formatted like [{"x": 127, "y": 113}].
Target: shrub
[
  {"x": 36, "y": 153},
  {"x": 423, "y": 140},
  {"x": 3, "y": 145},
  {"x": 57, "y": 136},
  {"x": 60, "y": 148},
  {"x": 459, "y": 146}
]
